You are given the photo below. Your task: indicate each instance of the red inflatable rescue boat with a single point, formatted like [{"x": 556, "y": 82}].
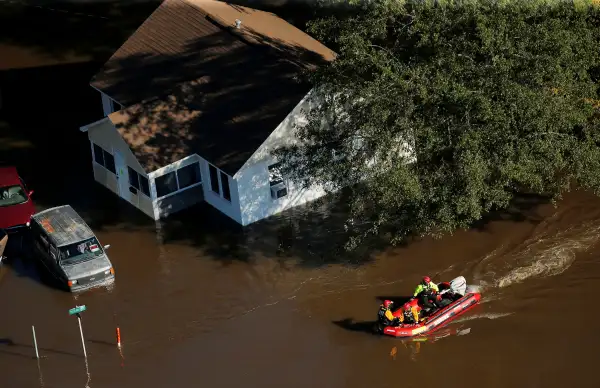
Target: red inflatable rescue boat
[{"x": 468, "y": 297}]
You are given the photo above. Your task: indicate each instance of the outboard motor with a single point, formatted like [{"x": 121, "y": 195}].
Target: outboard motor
[{"x": 459, "y": 285}]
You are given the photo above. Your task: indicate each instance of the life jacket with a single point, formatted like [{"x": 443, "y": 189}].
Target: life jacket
[
  {"x": 424, "y": 288},
  {"x": 408, "y": 315},
  {"x": 428, "y": 287},
  {"x": 381, "y": 316}
]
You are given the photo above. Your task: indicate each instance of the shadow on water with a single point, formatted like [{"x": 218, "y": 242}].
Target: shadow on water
[
  {"x": 359, "y": 326},
  {"x": 523, "y": 208},
  {"x": 24, "y": 264},
  {"x": 311, "y": 236},
  {"x": 9, "y": 343},
  {"x": 64, "y": 30},
  {"x": 101, "y": 342}
]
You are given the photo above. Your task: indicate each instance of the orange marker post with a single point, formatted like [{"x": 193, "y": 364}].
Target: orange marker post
[{"x": 118, "y": 337}]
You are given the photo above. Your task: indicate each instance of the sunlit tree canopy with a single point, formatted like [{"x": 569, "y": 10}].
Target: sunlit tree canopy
[{"x": 439, "y": 113}]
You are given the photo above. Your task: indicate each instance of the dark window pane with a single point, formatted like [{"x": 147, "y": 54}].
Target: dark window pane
[
  {"x": 188, "y": 175},
  {"x": 225, "y": 184},
  {"x": 133, "y": 178},
  {"x": 281, "y": 192},
  {"x": 144, "y": 185},
  {"x": 98, "y": 155},
  {"x": 214, "y": 179},
  {"x": 109, "y": 162},
  {"x": 166, "y": 184}
]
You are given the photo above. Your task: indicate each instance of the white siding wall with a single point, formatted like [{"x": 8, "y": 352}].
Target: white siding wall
[
  {"x": 255, "y": 194},
  {"x": 104, "y": 134},
  {"x": 230, "y": 208},
  {"x": 283, "y": 134},
  {"x": 253, "y": 178}
]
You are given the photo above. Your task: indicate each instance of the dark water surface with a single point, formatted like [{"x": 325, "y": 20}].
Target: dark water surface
[
  {"x": 200, "y": 303},
  {"x": 189, "y": 319}
]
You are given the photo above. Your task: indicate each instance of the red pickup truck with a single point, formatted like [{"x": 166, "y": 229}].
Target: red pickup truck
[{"x": 16, "y": 206}]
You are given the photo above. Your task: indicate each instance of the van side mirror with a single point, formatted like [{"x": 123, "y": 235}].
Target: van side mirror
[
  {"x": 106, "y": 246},
  {"x": 30, "y": 193}
]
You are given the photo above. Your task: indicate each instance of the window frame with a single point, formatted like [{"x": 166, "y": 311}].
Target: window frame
[
  {"x": 95, "y": 148},
  {"x": 212, "y": 168},
  {"x": 174, "y": 172},
  {"x": 145, "y": 190},
  {"x": 224, "y": 184},
  {"x": 197, "y": 170},
  {"x": 131, "y": 173},
  {"x": 273, "y": 170},
  {"x": 276, "y": 178}
]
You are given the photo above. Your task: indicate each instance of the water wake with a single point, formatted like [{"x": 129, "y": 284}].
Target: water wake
[
  {"x": 482, "y": 316},
  {"x": 537, "y": 257}
]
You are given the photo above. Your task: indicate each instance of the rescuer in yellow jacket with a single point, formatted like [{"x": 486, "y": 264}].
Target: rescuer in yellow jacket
[
  {"x": 385, "y": 315},
  {"x": 426, "y": 289},
  {"x": 410, "y": 308}
]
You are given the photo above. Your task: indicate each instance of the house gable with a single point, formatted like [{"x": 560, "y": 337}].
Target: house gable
[{"x": 283, "y": 135}]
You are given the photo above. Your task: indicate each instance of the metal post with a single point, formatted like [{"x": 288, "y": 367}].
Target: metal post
[
  {"x": 81, "y": 332},
  {"x": 37, "y": 354},
  {"x": 118, "y": 337}
]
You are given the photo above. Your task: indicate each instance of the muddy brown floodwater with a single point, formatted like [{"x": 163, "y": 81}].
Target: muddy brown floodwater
[
  {"x": 187, "y": 319},
  {"x": 201, "y": 306}
]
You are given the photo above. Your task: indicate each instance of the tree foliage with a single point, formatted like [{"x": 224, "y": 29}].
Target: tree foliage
[{"x": 490, "y": 97}]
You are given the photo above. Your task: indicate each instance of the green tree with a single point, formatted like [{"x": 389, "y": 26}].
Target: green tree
[{"x": 492, "y": 97}]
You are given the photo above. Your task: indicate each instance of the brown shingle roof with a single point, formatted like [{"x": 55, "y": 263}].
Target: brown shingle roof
[{"x": 242, "y": 81}]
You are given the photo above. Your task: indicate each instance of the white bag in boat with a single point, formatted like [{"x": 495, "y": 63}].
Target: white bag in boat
[{"x": 459, "y": 285}]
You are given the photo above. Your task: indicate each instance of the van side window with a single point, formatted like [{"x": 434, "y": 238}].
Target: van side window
[
  {"x": 39, "y": 238},
  {"x": 53, "y": 252}
]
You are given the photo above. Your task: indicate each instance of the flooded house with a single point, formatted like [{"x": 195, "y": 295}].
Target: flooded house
[{"x": 195, "y": 101}]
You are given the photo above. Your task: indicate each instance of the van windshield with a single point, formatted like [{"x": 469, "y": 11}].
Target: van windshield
[
  {"x": 81, "y": 251},
  {"x": 12, "y": 195}
]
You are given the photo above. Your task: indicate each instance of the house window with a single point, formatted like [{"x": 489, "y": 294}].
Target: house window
[
  {"x": 139, "y": 181},
  {"x": 225, "y": 184},
  {"x": 166, "y": 184},
  {"x": 214, "y": 179},
  {"x": 98, "y": 155},
  {"x": 275, "y": 176},
  {"x": 144, "y": 185},
  {"x": 276, "y": 182},
  {"x": 134, "y": 180},
  {"x": 188, "y": 175},
  {"x": 104, "y": 158}
]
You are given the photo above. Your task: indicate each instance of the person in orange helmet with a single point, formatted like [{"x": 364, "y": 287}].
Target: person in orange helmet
[
  {"x": 385, "y": 315},
  {"x": 410, "y": 312}
]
